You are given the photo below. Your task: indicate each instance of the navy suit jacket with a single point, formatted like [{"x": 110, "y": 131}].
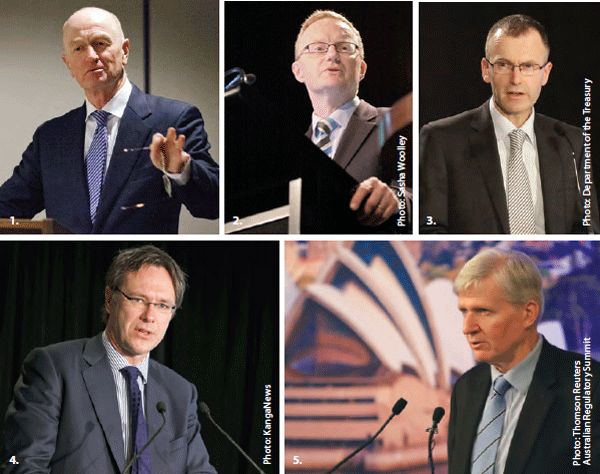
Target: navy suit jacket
[
  {"x": 64, "y": 418},
  {"x": 52, "y": 174},
  {"x": 543, "y": 441},
  {"x": 461, "y": 188}
]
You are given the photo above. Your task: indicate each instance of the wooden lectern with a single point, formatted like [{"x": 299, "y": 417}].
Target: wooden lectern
[{"x": 28, "y": 226}]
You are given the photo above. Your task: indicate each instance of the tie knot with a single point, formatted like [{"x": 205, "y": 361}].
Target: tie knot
[
  {"x": 517, "y": 137},
  {"x": 130, "y": 372},
  {"x": 326, "y": 126},
  {"x": 101, "y": 117},
  {"x": 501, "y": 385}
]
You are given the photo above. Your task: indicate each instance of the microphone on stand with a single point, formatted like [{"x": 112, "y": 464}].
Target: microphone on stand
[
  {"x": 438, "y": 414},
  {"x": 398, "y": 407},
  {"x": 161, "y": 408},
  {"x": 205, "y": 410}
]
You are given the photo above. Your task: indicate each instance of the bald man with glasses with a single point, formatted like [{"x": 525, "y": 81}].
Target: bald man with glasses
[{"x": 503, "y": 168}]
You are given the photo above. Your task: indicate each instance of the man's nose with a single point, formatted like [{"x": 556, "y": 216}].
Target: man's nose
[
  {"x": 332, "y": 52},
  {"x": 91, "y": 52},
  {"x": 469, "y": 323},
  {"x": 516, "y": 75}
]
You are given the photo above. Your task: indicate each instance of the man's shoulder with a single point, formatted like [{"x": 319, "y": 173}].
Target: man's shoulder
[
  {"x": 473, "y": 375},
  {"x": 158, "y": 103},
  {"x": 556, "y": 127},
  {"x": 560, "y": 358},
  {"x": 368, "y": 110},
  {"x": 457, "y": 123},
  {"x": 65, "y": 120}
]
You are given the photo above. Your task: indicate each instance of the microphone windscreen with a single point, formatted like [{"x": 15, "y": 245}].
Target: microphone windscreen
[
  {"x": 399, "y": 406},
  {"x": 161, "y": 407},
  {"x": 204, "y": 408},
  {"x": 438, "y": 414}
]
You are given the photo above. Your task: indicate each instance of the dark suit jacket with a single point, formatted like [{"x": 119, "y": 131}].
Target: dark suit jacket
[
  {"x": 64, "y": 417},
  {"x": 359, "y": 151},
  {"x": 52, "y": 174},
  {"x": 543, "y": 440},
  {"x": 460, "y": 179}
]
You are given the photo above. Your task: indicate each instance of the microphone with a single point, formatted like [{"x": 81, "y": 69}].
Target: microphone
[
  {"x": 206, "y": 411},
  {"x": 438, "y": 414},
  {"x": 558, "y": 128},
  {"x": 161, "y": 408},
  {"x": 398, "y": 407}
]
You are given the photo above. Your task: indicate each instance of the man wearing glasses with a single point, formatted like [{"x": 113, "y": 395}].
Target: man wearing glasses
[
  {"x": 90, "y": 405},
  {"x": 330, "y": 62},
  {"x": 503, "y": 168}
]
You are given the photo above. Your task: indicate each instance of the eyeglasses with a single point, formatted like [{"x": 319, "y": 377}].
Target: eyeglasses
[
  {"x": 321, "y": 48},
  {"x": 141, "y": 304},
  {"x": 504, "y": 67}
]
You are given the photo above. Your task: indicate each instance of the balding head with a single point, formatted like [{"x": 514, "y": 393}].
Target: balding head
[{"x": 91, "y": 15}]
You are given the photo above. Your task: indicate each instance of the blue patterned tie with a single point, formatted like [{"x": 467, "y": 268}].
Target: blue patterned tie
[
  {"x": 323, "y": 133},
  {"x": 490, "y": 430},
  {"x": 139, "y": 431},
  {"x": 96, "y": 160}
]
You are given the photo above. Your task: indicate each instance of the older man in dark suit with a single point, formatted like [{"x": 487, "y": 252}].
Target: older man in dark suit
[
  {"x": 90, "y": 405},
  {"x": 518, "y": 411},
  {"x": 504, "y": 168},
  {"x": 330, "y": 63},
  {"x": 87, "y": 168}
]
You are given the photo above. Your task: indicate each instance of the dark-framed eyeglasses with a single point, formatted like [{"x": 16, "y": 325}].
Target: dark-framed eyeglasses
[
  {"x": 140, "y": 303},
  {"x": 504, "y": 67},
  {"x": 344, "y": 47}
]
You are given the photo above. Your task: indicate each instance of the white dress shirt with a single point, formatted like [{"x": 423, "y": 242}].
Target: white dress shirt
[
  {"x": 502, "y": 129},
  {"x": 342, "y": 116}
]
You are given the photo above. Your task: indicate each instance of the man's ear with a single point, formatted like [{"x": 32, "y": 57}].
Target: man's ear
[
  {"x": 107, "y": 299},
  {"x": 363, "y": 70},
  {"x": 297, "y": 70},
  {"x": 485, "y": 70}
]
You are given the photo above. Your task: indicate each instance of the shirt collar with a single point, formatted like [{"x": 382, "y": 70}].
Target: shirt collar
[
  {"x": 116, "y": 105},
  {"x": 520, "y": 375},
  {"x": 118, "y": 361},
  {"x": 341, "y": 115},
  {"x": 503, "y": 126}
]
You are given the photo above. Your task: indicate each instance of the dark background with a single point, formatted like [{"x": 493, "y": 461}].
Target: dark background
[
  {"x": 265, "y": 148},
  {"x": 224, "y": 338},
  {"x": 260, "y": 38}
]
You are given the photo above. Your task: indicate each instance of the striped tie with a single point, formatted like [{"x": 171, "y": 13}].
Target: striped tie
[
  {"x": 139, "y": 431},
  {"x": 96, "y": 160},
  {"x": 323, "y": 134},
  {"x": 521, "y": 216},
  {"x": 490, "y": 430}
]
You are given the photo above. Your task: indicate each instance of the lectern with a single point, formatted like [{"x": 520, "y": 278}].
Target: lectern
[{"x": 28, "y": 226}]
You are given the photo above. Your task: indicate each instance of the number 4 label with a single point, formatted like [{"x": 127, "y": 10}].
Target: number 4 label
[{"x": 13, "y": 460}]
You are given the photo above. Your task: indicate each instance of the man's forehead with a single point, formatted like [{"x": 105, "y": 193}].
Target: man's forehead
[
  {"x": 329, "y": 26},
  {"x": 528, "y": 43}
]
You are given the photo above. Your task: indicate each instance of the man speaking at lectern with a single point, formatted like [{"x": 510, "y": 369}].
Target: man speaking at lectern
[
  {"x": 87, "y": 169},
  {"x": 330, "y": 62},
  {"x": 88, "y": 406},
  {"x": 503, "y": 167},
  {"x": 517, "y": 411}
]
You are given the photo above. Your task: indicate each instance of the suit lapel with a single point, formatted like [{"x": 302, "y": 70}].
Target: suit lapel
[
  {"x": 133, "y": 133},
  {"x": 552, "y": 175},
  {"x": 485, "y": 152},
  {"x": 156, "y": 393},
  {"x": 101, "y": 388},
  {"x": 74, "y": 172},
  {"x": 474, "y": 402},
  {"x": 537, "y": 403},
  {"x": 361, "y": 124}
]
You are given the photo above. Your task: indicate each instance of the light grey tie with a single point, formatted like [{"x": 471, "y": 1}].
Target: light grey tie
[
  {"x": 323, "y": 133},
  {"x": 521, "y": 216},
  {"x": 490, "y": 430}
]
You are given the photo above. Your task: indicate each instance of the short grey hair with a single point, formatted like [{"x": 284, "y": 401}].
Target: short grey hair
[
  {"x": 514, "y": 272},
  {"x": 131, "y": 260}
]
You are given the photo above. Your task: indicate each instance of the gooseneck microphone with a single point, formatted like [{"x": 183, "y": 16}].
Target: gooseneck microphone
[
  {"x": 398, "y": 407},
  {"x": 438, "y": 414},
  {"x": 206, "y": 411},
  {"x": 161, "y": 408}
]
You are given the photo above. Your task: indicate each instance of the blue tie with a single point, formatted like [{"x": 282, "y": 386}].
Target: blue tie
[
  {"x": 96, "y": 160},
  {"x": 324, "y": 128},
  {"x": 139, "y": 431},
  {"x": 490, "y": 430}
]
